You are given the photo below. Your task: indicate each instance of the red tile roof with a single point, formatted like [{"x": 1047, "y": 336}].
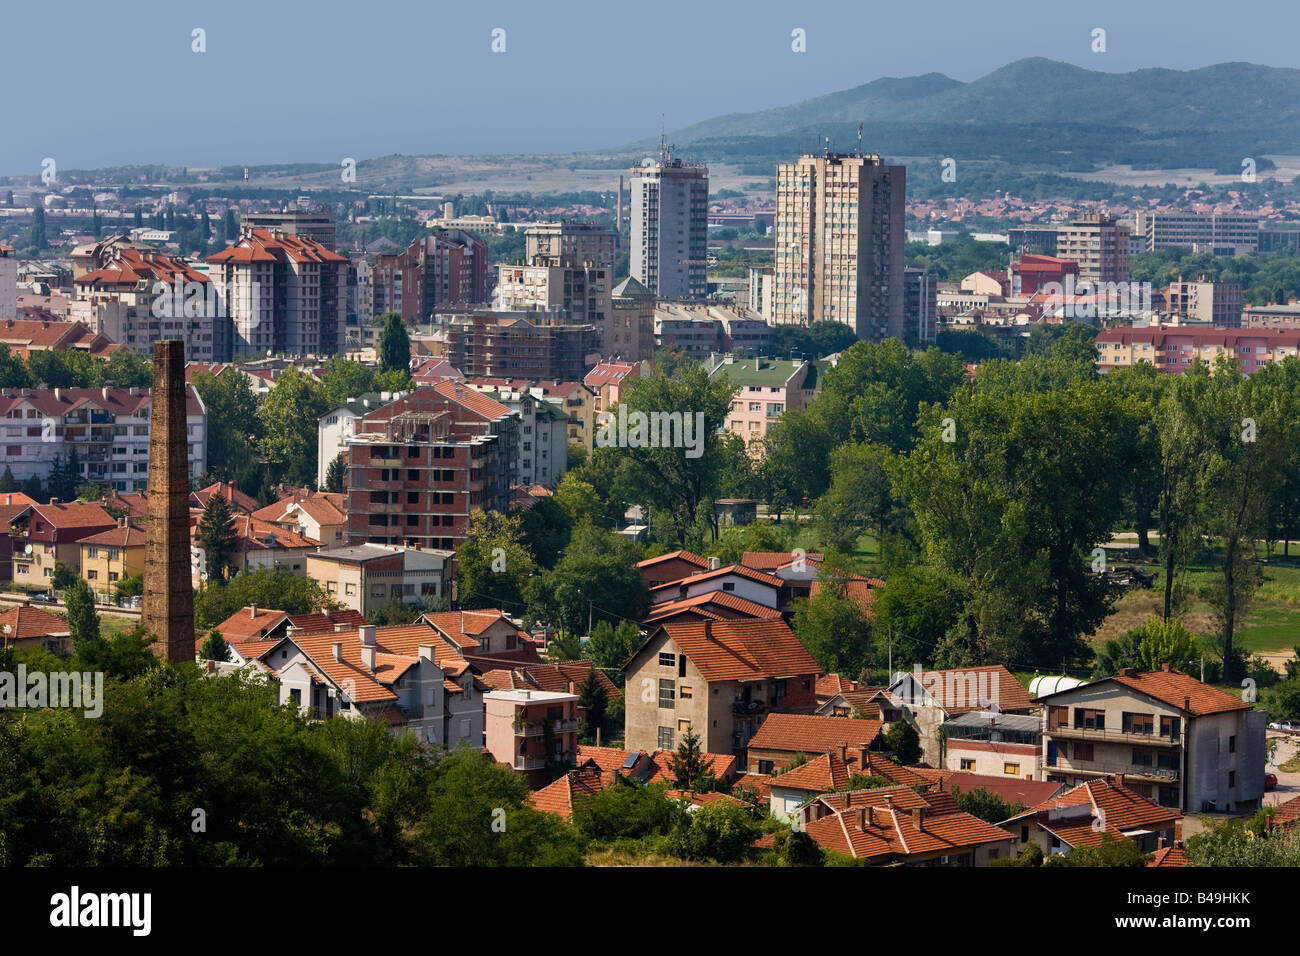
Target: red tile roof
[
  {"x": 885, "y": 834},
  {"x": 263, "y": 245},
  {"x": 130, "y": 267},
  {"x": 26, "y": 621},
  {"x": 737, "y": 569},
  {"x": 75, "y": 515},
  {"x": 479, "y": 404},
  {"x": 704, "y": 602},
  {"x": 231, "y": 493},
  {"x": 744, "y": 649},
  {"x": 1181, "y": 690},
  {"x": 771, "y": 560},
  {"x": 952, "y": 688},
  {"x": 1080, "y": 815},
  {"x": 1170, "y": 856},
  {"x": 558, "y": 797},
  {"x": 687, "y": 556},
  {"x": 327, "y": 619},
  {"x": 1011, "y": 790},
  {"x": 119, "y": 537},
  {"x": 808, "y": 734},
  {"x": 249, "y": 623}
]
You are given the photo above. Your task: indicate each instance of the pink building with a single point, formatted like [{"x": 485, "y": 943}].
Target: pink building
[
  {"x": 531, "y": 729},
  {"x": 767, "y": 388}
]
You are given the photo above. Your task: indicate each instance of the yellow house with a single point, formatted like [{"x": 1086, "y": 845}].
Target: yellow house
[{"x": 109, "y": 556}]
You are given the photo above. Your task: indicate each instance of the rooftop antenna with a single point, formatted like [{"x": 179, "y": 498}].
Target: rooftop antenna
[
  {"x": 859, "y": 138},
  {"x": 828, "y": 146},
  {"x": 665, "y": 148}
]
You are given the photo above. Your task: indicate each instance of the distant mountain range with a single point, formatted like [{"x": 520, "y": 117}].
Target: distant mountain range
[{"x": 1035, "y": 111}]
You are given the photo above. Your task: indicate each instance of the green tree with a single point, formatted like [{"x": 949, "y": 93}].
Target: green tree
[
  {"x": 796, "y": 848},
  {"x": 903, "y": 742},
  {"x": 720, "y": 830},
  {"x": 217, "y": 537},
  {"x": 394, "y": 344},
  {"x": 595, "y": 704},
  {"x": 835, "y": 628},
  {"x": 129, "y": 586},
  {"x": 493, "y": 564},
  {"x": 689, "y": 768},
  {"x": 83, "y": 621},
  {"x": 288, "y": 416},
  {"x": 63, "y": 578},
  {"x": 334, "y": 475},
  {"x": 265, "y": 587},
  {"x": 1110, "y": 852},
  {"x": 611, "y": 645},
  {"x": 679, "y": 479},
  {"x": 234, "y": 427},
  {"x": 1165, "y": 642},
  {"x": 36, "y": 238},
  {"x": 596, "y": 580},
  {"x": 989, "y": 807},
  {"x": 7, "y": 482},
  {"x": 214, "y": 647}
]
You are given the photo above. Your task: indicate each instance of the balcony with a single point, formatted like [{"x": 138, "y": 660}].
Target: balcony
[
  {"x": 530, "y": 763},
  {"x": 1115, "y": 736}
]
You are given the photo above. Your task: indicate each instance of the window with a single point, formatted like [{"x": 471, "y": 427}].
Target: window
[
  {"x": 1011, "y": 769},
  {"x": 1170, "y": 727},
  {"x": 1085, "y": 719},
  {"x": 667, "y": 692},
  {"x": 1143, "y": 758},
  {"x": 667, "y": 660},
  {"x": 1232, "y": 745},
  {"x": 92, "y": 575},
  {"x": 1024, "y": 834},
  {"x": 729, "y": 586},
  {"x": 1082, "y": 751},
  {"x": 683, "y": 726},
  {"x": 1138, "y": 723},
  {"x": 1232, "y": 778},
  {"x": 766, "y": 767},
  {"x": 350, "y": 588},
  {"x": 967, "y": 764},
  {"x": 666, "y": 738}
]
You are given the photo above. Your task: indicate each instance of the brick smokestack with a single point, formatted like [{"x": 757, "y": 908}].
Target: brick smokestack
[{"x": 168, "y": 611}]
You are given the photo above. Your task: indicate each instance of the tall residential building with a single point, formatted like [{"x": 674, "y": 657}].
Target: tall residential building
[
  {"x": 761, "y": 279},
  {"x": 448, "y": 269},
  {"x": 568, "y": 267},
  {"x": 8, "y": 284},
  {"x": 137, "y": 297},
  {"x": 920, "y": 306},
  {"x": 839, "y": 243},
  {"x": 669, "y": 226},
  {"x": 316, "y": 226},
  {"x": 282, "y": 293},
  {"x": 1217, "y": 234},
  {"x": 1099, "y": 244},
  {"x": 418, "y": 466}
]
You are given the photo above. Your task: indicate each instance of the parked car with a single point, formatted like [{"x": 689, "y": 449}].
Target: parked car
[
  {"x": 42, "y": 596},
  {"x": 1270, "y": 781},
  {"x": 1275, "y": 726}
]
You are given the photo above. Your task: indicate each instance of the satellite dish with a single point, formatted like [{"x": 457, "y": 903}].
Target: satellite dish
[{"x": 27, "y": 549}]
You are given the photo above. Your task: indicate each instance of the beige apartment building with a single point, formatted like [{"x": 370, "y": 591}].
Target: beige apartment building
[
  {"x": 1173, "y": 349},
  {"x": 1099, "y": 244},
  {"x": 1219, "y": 235},
  {"x": 1174, "y": 740},
  {"x": 839, "y": 244},
  {"x": 1215, "y": 303}
]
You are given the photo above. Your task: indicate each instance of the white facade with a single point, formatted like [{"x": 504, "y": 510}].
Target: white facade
[
  {"x": 109, "y": 430},
  {"x": 669, "y": 227}
]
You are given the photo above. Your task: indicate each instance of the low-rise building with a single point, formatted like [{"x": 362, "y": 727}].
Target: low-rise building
[
  {"x": 25, "y": 626},
  {"x": 531, "y": 731},
  {"x": 110, "y": 556},
  {"x": 45, "y": 534},
  {"x": 365, "y": 577},
  {"x": 1084, "y": 816},
  {"x": 1178, "y": 742},
  {"x": 720, "y": 678}
]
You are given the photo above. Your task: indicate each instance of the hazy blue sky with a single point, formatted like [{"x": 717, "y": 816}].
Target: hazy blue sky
[{"x": 107, "y": 83}]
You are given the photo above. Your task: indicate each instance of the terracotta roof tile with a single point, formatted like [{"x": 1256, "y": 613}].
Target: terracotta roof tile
[
  {"x": 747, "y": 648},
  {"x": 808, "y": 734}
]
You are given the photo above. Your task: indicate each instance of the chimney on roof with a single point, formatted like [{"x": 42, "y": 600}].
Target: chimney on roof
[
  {"x": 1166, "y": 667},
  {"x": 104, "y": 392},
  {"x": 1128, "y": 672},
  {"x": 367, "y": 634},
  {"x": 252, "y": 611},
  {"x": 708, "y": 629},
  {"x": 918, "y": 818},
  {"x": 714, "y": 563},
  {"x": 844, "y": 753},
  {"x": 340, "y": 628},
  {"x": 54, "y": 501},
  {"x": 1119, "y": 780},
  {"x": 368, "y": 652},
  {"x": 864, "y": 817},
  {"x": 57, "y": 394},
  {"x": 337, "y": 648},
  {"x": 862, "y": 758},
  {"x": 426, "y": 653}
]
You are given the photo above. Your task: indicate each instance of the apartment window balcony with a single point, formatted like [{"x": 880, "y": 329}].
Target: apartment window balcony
[{"x": 1116, "y": 736}]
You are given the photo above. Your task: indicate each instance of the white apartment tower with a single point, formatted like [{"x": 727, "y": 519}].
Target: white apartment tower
[
  {"x": 839, "y": 243},
  {"x": 669, "y": 226}
]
